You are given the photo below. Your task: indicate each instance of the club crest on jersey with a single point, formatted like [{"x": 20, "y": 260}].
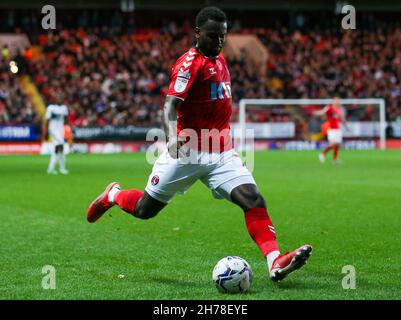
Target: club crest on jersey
[
  {"x": 155, "y": 180},
  {"x": 212, "y": 71},
  {"x": 180, "y": 84},
  {"x": 184, "y": 74}
]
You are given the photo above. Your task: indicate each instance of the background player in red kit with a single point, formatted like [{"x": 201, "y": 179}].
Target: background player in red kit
[
  {"x": 199, "y": 100},
  {"x": 334, "y": 134}
]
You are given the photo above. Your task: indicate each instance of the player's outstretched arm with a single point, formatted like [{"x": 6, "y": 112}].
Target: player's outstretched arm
[
  {"x": 320, "y": 113},
  {"x": 171, "y": 105}
]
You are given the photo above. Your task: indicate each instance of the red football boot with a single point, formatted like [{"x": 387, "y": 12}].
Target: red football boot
[
  {"x": 101, "y": 204},
  {"x": 289, "y": 262}
]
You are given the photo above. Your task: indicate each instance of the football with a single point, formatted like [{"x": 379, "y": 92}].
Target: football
[{"x": 232, "y": 274}]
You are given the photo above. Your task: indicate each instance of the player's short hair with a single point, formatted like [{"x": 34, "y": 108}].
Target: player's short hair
[{"x": 210, "y": 13}]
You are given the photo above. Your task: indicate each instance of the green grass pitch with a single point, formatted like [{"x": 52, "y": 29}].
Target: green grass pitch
[{"x": 350, "y": 213}]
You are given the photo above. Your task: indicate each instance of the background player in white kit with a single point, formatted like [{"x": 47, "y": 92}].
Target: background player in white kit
[{"x": 56, "y": 116}]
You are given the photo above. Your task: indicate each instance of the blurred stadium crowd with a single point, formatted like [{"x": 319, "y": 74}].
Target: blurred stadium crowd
[
  {"x": 15, "y": 106},
  {"x": 118, "y": 74}
]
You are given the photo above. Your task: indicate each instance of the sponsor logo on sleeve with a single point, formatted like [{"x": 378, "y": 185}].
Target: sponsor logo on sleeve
[
  {"x": 180, "y": 84},
  {"x": 184, "y": 74}
]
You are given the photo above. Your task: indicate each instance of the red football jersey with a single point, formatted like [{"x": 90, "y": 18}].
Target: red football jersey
[
  {"x": 204, "y": 85},
  {"x": 333, "y": 116}
]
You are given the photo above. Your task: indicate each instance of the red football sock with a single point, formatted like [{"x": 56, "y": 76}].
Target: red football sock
[
  {"x": 327, "y": 149},
  {"x": 261, "y": 229},
  {"x": 335, "y": 152},
  {"x": 127, "y": 199}
]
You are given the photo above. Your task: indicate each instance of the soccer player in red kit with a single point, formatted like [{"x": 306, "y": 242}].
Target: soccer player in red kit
[
  {"x": 335, "y": 117},
  {"x": 198, "y": 106}
]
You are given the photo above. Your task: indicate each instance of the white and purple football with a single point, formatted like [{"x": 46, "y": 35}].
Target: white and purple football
[{"x": 232, "y": 274}]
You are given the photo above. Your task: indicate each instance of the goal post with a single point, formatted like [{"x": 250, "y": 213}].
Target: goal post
[{"x": 243, "y": 103}]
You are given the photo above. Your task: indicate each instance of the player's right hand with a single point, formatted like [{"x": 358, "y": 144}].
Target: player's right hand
[{"x": 176, "y": 149}]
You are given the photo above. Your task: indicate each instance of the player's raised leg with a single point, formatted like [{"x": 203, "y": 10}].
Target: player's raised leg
[
  {"x": 261, "y": 229},
  {"x": 167, "y": 179},
  {"x": 135, "y": 202},
  {"x": 140, "y": 204}
]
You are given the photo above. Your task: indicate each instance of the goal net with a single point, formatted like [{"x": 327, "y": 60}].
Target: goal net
[{"x": 291, "y": 124}]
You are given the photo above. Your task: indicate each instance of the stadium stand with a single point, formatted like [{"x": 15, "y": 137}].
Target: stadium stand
[{"x": 15, "y": 106}]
